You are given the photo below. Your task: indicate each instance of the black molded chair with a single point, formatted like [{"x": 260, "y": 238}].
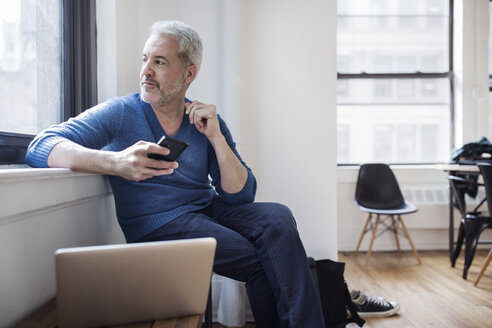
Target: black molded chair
[
  {"x": 476, "y": 224},
  {"x": 473, "y": 222},
  {"x": 378, "y": 193}
]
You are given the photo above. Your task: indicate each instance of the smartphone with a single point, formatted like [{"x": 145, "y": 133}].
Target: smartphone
[{"x": 176, "y": 147}]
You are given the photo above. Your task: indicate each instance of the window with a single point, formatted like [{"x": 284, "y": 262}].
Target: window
[
  {"x": 406, "y": 88},
  {"x": 428, "y": 141},
  {"x": 382, "y": 89},
  {"x": 39, "y": 83},
  {"x": 394, "y": 102},
  {"x": 343, "y": 141},
  {"x": 30, "y": 48},
  {"x": 406, "y": 137},
  {"x": 406, "y": 64},
  {"x": 383, "y": 141}
]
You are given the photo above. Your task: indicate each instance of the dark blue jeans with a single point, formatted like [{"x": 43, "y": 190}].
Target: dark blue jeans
[{"x": 257, "y": 243}]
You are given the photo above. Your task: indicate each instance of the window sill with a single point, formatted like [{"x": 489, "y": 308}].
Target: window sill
[
  {"x": 25, "y": 192},
  {"x": 426, "y": 174},
  {"x": 394, "y": 166},
  {"x": 9, "y": 173}
]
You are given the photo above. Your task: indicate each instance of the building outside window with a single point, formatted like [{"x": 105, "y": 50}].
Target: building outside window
[
  {"x": 395, "y": 104},
  {"x": 343, "y": 133},
  {"x": 47, "y": 68},
  {"x": 30, "y": 65}
]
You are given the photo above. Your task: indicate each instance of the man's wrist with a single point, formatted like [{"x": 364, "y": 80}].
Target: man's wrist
[
  {"x": 217, "y": 140},
  {"x": 110, "y": 162}
]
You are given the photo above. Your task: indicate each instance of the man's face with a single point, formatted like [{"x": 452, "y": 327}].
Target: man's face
[{"x": 162, "y": 76}]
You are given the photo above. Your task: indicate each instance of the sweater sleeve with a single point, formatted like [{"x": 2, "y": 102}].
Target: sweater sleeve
[
  {"x": 93, "y": 128},
  {"x": 247, "y": 194}
]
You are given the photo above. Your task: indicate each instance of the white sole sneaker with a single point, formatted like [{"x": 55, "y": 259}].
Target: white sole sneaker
[{"x": 390, "y": 312}]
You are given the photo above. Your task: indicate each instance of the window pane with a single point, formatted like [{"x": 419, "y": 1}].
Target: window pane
[
  {"x": 406, "y": 135},
  {"x": 29, "y": 65},
  {"x": 387, "y": 91},
  {"x": 429, "y": 145},
  {"x": 383, "y": 142},
  {"x": 373, "y": 31},
  {"x": 490, "y": 38},
  {"x": 406, "y": 88},
  {"x": 409, "y": 124},
  {"x": 343, "y": 142}
]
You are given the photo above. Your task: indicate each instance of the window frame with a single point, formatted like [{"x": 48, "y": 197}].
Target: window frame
[
  {"x": 78, "y": 73},
  {"x": 418, "y": 75}
]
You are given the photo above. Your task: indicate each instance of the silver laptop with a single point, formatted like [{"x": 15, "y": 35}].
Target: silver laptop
[{"x": 118, "y": 284}]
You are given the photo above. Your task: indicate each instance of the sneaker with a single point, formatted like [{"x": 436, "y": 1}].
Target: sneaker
[{"x": 369, "y": 306}]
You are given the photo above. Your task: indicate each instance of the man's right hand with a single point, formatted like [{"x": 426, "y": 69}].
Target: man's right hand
[
  {"x": 131, "y": 163},
  {"x": 134, "y": 164}
]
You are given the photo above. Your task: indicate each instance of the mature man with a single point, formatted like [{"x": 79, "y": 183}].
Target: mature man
[{"x": 157, "y": 200}]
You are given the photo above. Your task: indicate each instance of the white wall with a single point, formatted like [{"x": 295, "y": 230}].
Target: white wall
[
  {"x": 270, "y": 66},
  {"x": 288, "y": 113},
  {"x": 490, "y": 115},
  {"x": 471, "y": 32},
  {"x": 43, "y": 210}
]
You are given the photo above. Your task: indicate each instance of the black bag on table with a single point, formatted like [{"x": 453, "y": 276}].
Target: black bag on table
[{"x": 333, "y": 293}]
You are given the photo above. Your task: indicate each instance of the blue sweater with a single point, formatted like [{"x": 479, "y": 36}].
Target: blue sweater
[{"x": 142, "y": 207}]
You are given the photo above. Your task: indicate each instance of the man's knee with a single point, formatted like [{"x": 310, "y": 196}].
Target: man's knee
[{"x": 279, "y": 215}]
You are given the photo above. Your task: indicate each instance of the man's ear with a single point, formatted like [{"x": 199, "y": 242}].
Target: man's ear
[{"x": 190, "y": 73}]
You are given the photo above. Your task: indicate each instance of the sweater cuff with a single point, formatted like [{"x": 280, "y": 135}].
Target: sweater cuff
[
  {"x": 246, "y": 195},
  {"x": 39, "y": 150}
]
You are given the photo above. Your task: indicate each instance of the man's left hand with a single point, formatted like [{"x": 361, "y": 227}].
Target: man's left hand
[{"x": 204, "y": 117}]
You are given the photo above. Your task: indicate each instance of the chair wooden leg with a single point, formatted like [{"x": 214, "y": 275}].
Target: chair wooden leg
[
  {"x": 485, "y": 265},
  {"x": 409, "y": 239},
  {"x": 372, "y": 240},
  {"x": 395, "y": 231},
  {"x": 369, "y": 217}
]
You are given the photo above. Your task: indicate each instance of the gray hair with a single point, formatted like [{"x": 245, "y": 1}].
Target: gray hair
[{"x": 190, "y": 44}]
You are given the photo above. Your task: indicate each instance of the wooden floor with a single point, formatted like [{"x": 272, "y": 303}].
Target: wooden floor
[{"x": 430, "y": 295}]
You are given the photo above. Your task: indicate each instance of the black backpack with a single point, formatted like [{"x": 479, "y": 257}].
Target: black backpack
[{"x": 333, "y": 293}]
